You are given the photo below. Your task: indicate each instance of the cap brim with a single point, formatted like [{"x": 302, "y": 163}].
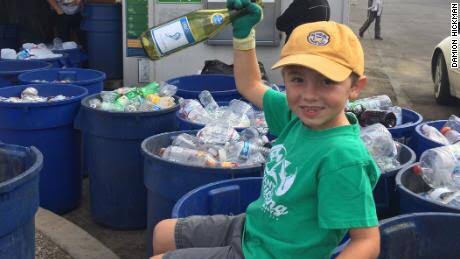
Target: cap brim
[{"x": 326, "y": 67}]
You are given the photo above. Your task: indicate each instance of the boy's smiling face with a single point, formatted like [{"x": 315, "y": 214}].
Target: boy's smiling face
[{"x": 316, "y": 100}]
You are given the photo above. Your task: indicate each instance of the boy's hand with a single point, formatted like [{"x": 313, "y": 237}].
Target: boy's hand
[{"x": 243, "y": 24}]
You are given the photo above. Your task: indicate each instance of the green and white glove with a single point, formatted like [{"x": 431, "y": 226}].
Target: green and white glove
[{"x": 244, "y": 36}]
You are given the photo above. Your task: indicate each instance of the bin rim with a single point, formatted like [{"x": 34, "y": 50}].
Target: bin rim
[
  {"x": 420, "y": 119},
  {"x": 44, "y": 104},
  {"x": 28, "y": 173},
  {"x": 388, "y": 221},
  {"x": 84, "y": 104},
  {"x": 399, "y": 185},
  {"x": 180, "y": 118},
  {"x": 419, "y": 132},
  {"x": 101, "y": 76},
  {"x": 408, "y": 163},
  {"x": 175, "y": 210},
  {"x": 149, "y": 155},
  {"x": 46, "y": 65},
  {"x": 215, "y": 93}
]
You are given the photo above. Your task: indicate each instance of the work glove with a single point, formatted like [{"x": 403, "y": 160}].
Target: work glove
[{"x": 243, "y": 25}]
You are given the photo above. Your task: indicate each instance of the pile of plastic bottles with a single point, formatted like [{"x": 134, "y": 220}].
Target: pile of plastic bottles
[
  {"x": 380, "y": 144},
  {"x": 30, "y": 95},
  {"x": 207, "y": 111},
  {"x": 376, "y": 109},
  {"x": 38, "y": 51},
  {"x": 440, "y": 167},
  {"x": 39, "y": 81},
  {"x": 449, "y": 133},
  {"x": 151, "y": 97},
  {"x": 217, "y": 145}
]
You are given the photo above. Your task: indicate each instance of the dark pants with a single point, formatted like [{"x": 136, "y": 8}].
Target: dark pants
[
  {"x": 66, "y": 24},
  {"x": 372, "y": 16}
]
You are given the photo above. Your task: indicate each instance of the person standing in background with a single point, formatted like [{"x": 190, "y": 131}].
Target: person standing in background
[
  {"x": 375, "y": 12},
  {"x": 67, "y": 19},
  {"x": 300, "y": 12}
]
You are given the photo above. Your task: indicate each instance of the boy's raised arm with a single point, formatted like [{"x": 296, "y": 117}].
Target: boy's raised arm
[{"x": 246, "y": 69}]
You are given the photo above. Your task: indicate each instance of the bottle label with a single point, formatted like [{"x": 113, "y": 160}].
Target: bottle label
[
  {"x": 217, "y": 19},
  {"x": 244, "y": 154},
  {"x": 173, "y": 35}
]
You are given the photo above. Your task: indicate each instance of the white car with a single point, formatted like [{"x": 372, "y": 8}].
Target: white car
[{"x": 446, "y": 79}]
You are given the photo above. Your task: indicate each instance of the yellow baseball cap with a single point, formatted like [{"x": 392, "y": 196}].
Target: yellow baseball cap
[{"x": 327, "y": 47}]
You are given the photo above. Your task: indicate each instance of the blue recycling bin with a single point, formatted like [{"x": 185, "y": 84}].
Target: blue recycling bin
[
  {"x": 10, "y": 69},
  {"x": 222, "y": 87},
  {"x": 228, "y": 197},
  {"x": 112, "y": 155},
  {"x": 103, "y": 26},
  {"x": 418, "y": 235},
  {"x": 409, "y": 186},
  {"x": 19, "y": 174},
  {"x": 385, "y": 196},
  {"x": 404, "y": 132},
  {"x": 92, "y": 80},
  {"x": 167, "y": 182},
  {"x": 419, "y": 142},
  {"x": 75, "y": 56},
  {"x": 49, "y": 127}
]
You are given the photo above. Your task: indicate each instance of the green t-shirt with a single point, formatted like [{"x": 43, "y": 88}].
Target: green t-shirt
[{"x": 316, "y": 185}]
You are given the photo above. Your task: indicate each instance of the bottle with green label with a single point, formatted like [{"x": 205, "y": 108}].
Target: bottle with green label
[{"x": 185, "y": 31}]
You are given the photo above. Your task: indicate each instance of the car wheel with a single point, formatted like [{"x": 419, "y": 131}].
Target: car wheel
[{"x": 441, "y": 81}]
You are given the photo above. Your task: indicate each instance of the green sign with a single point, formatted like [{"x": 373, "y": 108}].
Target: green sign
[{"x": 179, "y": 1}]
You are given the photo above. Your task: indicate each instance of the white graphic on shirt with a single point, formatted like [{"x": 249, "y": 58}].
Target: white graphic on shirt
[{"x": 278, "y": 179}]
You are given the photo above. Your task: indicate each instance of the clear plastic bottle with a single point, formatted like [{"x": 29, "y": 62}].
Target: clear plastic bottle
[
  {"x": 167, "y": 89},
  {"x": 188, "y": 156},
  {"x": 218, "y": 134},
  {"x": 398, "y": 113},
  {"x": 379, "y": 102},
  {"x": 94, "y": 103},
  {"x": 57, "y": 43},
  {"x": 148, "y": 105},
  {"x": 253, "y": 136},
  {"x": 379, "y": 141},
  {"x": 193, "y": 110},
  {"x": 453, "y": 122},
  {"x": 440, "y": 167},
  {"x": 433, "y": 134},
  {"x": 239, "y": 107},
  {"x": 243, "y": 150},
  {"x": 109, "y": 96},
  {"x": 208, "y": 101},
  {"x": 451, "y": 135},
  {"x": 185, "y": 140}
]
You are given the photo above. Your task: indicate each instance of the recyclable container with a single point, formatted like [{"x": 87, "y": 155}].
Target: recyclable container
[
  {"x": 404, "y": 132},
  {"x": 418, "y": 235},
  {"x": 410, "y": 186},
  {"x": 19, "y": 174},
  {"x": 167, "y": 182},
  {"x": 49, "y": 127},
  {"x": 90, "y": 79},
  {"x": 385, "y": 195},
  {"x": 222, "y": 87},
  {"x": 228, "y": 197},
  {"x": 420, "y": 142},
  {"x": 75, "y": 56},
  {"x": 10, "y": 69},
  {"x": 103, "y": 26},
  {"x": 112, "y": 153}
]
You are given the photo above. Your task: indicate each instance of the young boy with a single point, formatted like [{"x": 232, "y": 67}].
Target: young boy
[{"x": 319, "y": 177}]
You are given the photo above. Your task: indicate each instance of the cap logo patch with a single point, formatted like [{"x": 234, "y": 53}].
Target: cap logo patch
[{"x": 318, "y": 38}]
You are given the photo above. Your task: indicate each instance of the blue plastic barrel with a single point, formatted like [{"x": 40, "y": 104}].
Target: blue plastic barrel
[
  {"x": 228, "y": 197},
  {"x": 8, "y": 36},
  {"x": 385, "y": 195},
  {"x": 49, "y": 127},
  {"x": 75, "y": 56},
  {"x": 10, "y": 69},
  {"x": 419, "y": 142},
  {"x": 112, "y": 154},
  {"x": 90, "y": 79},
  {"x": 19, "y": 174},
  {"x": 167, "y": 182},
  {"x": 103, "y": 26},
  {"x": 409, "y": 185},
  {"x": 222, "y": 87},
  {"x": 418, "y": 235},
  {"x": 404, "y": 133}
]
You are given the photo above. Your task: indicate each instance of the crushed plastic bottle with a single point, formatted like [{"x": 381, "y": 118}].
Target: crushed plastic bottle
[
  {"x": 440, "y": 167},
  {"x": 451, "y": 135},
  {"x": 31, "y": 95},
  {"x": 243, "y": 150},
  {"x": 381, "y": 146},
  {"x": 186, "y": 140},
  {"x": 188, "y": 156},
  {"x": 208, "y": 101},
  {"x": 453, "y": 122},
  {"x": 167, "y": 89},
  {"x": 433, "y": 134},
  {"x": 379, "y": 102},
  {"x": 217, "y": 134}
]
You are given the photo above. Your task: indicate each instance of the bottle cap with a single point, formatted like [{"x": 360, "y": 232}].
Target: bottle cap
[
  {"x": 417, "y": 169},
  {"x": 444, "y": 130}
]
